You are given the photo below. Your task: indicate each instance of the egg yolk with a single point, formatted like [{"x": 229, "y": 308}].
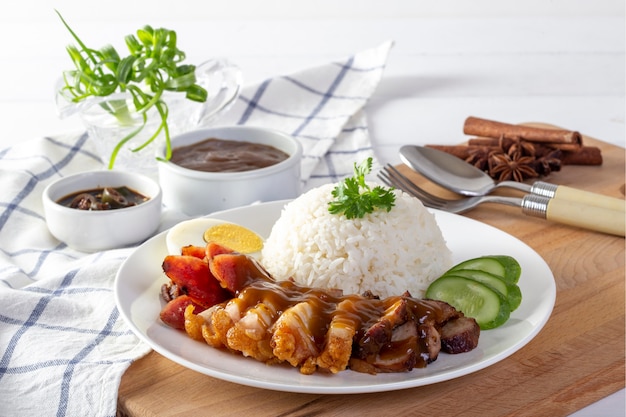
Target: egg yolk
[{"x": 235, "y": 237}]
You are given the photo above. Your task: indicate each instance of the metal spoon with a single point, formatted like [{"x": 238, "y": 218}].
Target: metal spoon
[{"x": 457, "y": 175}]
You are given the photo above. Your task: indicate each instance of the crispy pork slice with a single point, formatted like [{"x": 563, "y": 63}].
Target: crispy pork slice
[
  {"x": 219, "y": 319},
  {"x": 217, "y": 322},
  {"x": 223, "y": 317},
  {"x": 193, "y": 323},
  {"x": 251, "y": 335},
  {"x": 337, "y": 348},
  {"x": 294, "y": 335}
]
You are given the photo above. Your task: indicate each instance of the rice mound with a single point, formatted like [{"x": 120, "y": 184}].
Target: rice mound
[{"x": 386, "y": 253}]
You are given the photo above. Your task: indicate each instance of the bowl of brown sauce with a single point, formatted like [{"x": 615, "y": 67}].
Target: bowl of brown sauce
[
  {"x": 218, "y": 168},
  {"x": 100, "y": 210}
]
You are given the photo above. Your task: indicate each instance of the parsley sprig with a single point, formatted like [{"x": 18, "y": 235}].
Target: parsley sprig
[
  {"x": 152, "y": 67},
  {"x": 355, "y": 198}
]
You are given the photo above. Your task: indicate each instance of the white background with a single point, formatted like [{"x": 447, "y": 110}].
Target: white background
[{"x": 559, "y": 61}]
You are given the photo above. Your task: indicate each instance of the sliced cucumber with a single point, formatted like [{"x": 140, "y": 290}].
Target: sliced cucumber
[
  {"x": 503, "y": 266},
  {"x": 491, "y": 280},
  {"x": 487, "y": 306},
  {"x": 509, "y": 291},
  {"x": 514, "y": 296}
]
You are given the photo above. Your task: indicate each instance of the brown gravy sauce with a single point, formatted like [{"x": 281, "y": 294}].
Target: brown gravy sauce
[
  {"x": 220, "y": 155},
  {"x": 358, "y": 311}
]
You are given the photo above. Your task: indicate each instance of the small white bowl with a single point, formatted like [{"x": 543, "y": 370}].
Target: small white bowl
[
  {"x": 197, "y": 193},
  {"x": 93, "y": 231}
]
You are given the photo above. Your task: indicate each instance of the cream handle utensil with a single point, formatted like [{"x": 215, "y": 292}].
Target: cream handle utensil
[
  {"x": 563, "y": 192},
  {"x": 576, "y": 214}
]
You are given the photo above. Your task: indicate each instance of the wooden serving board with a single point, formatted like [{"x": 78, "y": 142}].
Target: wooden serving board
[{"x": 577, "y": 359}]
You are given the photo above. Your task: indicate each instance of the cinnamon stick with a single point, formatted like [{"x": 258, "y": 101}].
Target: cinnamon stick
[
  {"x": 460, "y": 151},
  {"x": 570, "y": 147},
  {"x": 547, "y": 149},
  {"x": 492, "y": 129},
  {"x": 585, "y": 155}
]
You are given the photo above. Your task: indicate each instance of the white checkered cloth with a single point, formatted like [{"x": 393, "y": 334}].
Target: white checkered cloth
[{"x": 63, "y": 346}]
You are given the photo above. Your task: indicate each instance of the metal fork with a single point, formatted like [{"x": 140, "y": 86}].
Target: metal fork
[
  {"x": 561, "y": 211},
  {"x": 391, "y": 177}
]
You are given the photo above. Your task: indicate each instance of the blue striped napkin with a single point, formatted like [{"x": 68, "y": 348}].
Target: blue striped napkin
[
  {"x": 323, "y": 108},
  {"x": 63, "y": 346}
]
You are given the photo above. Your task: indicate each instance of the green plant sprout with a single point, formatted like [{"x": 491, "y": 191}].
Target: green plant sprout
[{"x": 153, "y": 66}]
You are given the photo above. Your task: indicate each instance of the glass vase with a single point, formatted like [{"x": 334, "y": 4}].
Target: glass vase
[{"x": 220, "y": 78}]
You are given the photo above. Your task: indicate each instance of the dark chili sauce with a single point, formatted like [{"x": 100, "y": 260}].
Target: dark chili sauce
[
  {"x": 105, "y": 198},
  {"x": 220, "y": 155}
]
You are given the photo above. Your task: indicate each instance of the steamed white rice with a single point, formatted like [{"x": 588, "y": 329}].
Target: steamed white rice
[{"x": 387, "y": 253}]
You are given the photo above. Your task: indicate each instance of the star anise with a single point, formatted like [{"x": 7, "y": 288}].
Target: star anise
[
  {"x": 521, "y": 148},
  {"x": 505, "y": 142},
  {"x": 550, "y": 162},
  {"x": 505, "y": 167},
  {"x": 479, "y": 157}
]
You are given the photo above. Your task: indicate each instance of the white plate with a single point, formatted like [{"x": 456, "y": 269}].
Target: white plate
[{"x": 140, "y": 278}]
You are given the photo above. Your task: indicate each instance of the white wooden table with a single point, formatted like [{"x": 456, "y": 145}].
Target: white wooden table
[{"x": 561, "y": 63}]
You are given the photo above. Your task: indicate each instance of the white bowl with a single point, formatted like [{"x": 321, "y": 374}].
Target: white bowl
[
  {"x": 92, "y": 231},
  {"x": 197, "y": 193}
]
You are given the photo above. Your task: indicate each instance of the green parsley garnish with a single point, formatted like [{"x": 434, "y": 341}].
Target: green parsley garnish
[{"x": 354, "y": 198}]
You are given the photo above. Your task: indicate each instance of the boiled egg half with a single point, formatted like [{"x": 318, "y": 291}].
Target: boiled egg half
[{"x": 199, "y": 232}]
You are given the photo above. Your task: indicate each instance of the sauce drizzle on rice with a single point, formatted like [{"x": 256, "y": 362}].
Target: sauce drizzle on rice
[{"x": 385, "y": 252}]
